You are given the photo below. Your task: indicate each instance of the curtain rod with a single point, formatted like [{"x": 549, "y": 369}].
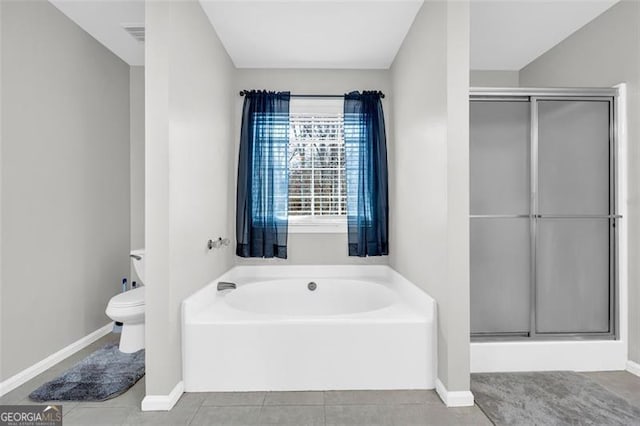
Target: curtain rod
[{"x": 244, "y": 92}]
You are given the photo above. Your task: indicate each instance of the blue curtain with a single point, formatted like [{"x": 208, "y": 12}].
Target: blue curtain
[
  {"x": 366, "y": 174},
  {"x": 263, "y": 176}
]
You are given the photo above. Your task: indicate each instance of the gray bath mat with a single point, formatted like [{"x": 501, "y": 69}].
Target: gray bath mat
[
  {"x": 549, "y": 398},
  {"x": 104, "y": 374}
]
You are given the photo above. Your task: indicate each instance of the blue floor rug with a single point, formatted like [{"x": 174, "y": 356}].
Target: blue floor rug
[{"x": 104, "y": 374}]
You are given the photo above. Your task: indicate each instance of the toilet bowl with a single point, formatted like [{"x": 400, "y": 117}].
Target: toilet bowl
[{"x": 128, "y": 308}]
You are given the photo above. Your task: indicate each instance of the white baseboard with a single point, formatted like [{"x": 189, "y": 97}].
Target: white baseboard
[
  {"x": 454, "y": 399},
  {"x": 163, "y": 402},
  {"x": 29, "y": 373},
  {"x": 633, "y": 368}
]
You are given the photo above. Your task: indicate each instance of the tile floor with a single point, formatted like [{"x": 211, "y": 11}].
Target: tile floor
[{"x": 281, "y": 408}]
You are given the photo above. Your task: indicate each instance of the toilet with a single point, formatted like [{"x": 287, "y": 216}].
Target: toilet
[{"x": 128, "y": 308}]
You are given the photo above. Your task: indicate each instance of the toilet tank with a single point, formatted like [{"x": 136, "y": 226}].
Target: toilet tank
[{"x": 138, "y": 265}]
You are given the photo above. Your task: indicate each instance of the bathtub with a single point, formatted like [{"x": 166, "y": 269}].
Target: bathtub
[{"x": 363, "y": 327}]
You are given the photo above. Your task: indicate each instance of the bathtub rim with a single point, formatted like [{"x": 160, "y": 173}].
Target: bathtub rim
[{"x": 407, "y": 292}]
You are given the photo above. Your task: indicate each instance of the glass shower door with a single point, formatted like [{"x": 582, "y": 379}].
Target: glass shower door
[
  {"x": 575, "y": 217},
  {"x": 500, "y": 217}
]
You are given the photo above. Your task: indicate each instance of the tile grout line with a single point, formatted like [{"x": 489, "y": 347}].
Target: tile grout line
[
  {"x": 195, "y": 411},
  {"x": 485, "y": 414},
  {"x": 65, "y": 413},
  {"x": 381, "y": 404},
  {"x": 195, "y": 414},
  {"x": 324, "y": 408},
  {"x": 264, "y": 400}
]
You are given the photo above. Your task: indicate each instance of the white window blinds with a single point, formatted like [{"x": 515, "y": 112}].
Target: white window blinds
[{"x": 317, "y": 184}]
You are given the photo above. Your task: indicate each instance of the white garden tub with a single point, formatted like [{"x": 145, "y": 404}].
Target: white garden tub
[{"x": 363, "y": 327}]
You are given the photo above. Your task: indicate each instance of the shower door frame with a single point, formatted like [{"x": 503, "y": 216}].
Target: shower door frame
[{"x": 533, "y": 95}]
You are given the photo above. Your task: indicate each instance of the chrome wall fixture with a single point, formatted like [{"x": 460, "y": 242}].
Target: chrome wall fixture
[
  {"x": 220, "y": 242},
  {"x": 537, "y": 218}
]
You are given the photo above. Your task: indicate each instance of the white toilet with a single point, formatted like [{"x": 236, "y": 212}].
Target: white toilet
[{"x": 128, "y": 308}]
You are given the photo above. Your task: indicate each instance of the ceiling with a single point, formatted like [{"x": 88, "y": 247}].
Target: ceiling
[
  {"x": 505, "y": 34},
  {"x": 508, "y": 34},
  {"x": 312, "y": 34},
  {"x": 103, "y": 19}
]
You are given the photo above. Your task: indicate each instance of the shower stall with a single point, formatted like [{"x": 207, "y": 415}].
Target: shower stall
[{"x": 543, "y": 214}]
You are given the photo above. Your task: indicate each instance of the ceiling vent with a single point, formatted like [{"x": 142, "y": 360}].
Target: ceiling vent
[{"x": 135, "y": 30}]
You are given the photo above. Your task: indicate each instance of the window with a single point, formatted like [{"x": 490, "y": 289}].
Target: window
[{"x": 317, "y": 186}]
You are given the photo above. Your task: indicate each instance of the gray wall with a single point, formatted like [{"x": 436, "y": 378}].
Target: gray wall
[
  {"x": 498, "y": 78},
  {"x": 189, "y": 153},
  {"x": 603, "y": 53},
  {"x": 328, "y": 249},
  {"x": 65, "y": 182},
  {"x": 136, "y": 153},
  {"x": 430, "y": 191}
]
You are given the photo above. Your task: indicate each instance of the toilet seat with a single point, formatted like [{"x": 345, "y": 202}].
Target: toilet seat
[
  {"x": 125, "y": 313},
  {"x": 127, "y": 307},
  {"x": 128, "y": 299}
]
